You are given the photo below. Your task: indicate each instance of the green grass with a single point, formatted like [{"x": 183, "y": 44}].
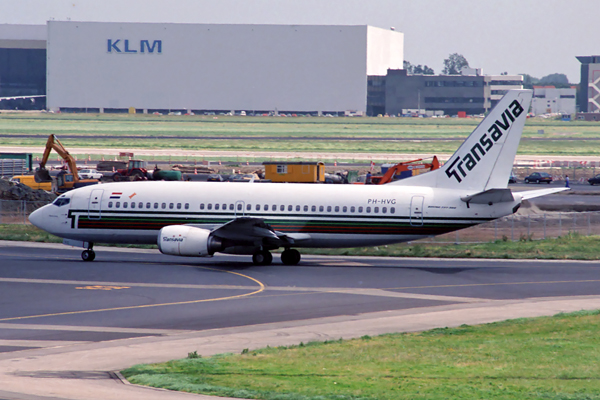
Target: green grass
[
  {"x": 542, "y": 358},
  {"x": 572, "y": 246},
  {"x": 561, "y": 138}
]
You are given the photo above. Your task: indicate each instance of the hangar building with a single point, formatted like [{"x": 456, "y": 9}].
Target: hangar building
[{"x": 113, "y": 67}]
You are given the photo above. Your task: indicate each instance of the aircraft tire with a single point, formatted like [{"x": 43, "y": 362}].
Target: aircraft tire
[
  {"x": 263, "y": 257},
  {"x": 290, "y": 257},
  {"x": 88, "y": 255}
]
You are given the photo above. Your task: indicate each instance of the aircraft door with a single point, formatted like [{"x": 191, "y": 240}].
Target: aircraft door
[
  {"x": 416, "y": 210},
  {"x": 94, "y": 211},
  {"x": 239, "y": 208}
]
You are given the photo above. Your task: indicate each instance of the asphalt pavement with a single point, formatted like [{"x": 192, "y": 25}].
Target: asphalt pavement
[{"x": 66, "y": 326}]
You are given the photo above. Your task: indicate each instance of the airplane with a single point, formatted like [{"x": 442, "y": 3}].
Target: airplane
[{"x": 199, "y": 219}]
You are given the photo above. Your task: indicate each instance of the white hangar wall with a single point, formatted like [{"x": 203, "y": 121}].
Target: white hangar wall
[{"x": 215, "y": 67}]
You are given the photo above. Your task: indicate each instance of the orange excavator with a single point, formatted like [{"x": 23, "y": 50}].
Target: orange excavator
[
  {"x": 64, "y": 180},
  {"x": 405, "y": 169}
]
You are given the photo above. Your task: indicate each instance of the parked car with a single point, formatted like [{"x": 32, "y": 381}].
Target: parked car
[
  {"x": 245, "y": 178},
  {"x": 90, "y": 174},
  {"x": 539, "y": 177},
  {"x": 595, "y": 180},
  {"x": 214, "y": 178},
  {"x": 512, "y": 178}
]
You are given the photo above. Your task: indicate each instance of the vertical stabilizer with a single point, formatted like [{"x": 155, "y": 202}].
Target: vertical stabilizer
[{"x": 485, "y": 159}]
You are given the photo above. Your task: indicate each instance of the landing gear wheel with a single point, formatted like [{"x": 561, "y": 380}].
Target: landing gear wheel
[
  {"x": 290, "y": 257},
  {"x": 262, "y": 257},
  {"x": 88, "y": 255}
]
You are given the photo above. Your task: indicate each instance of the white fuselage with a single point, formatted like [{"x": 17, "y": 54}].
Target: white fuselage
[{"x": 326, "y": 215}]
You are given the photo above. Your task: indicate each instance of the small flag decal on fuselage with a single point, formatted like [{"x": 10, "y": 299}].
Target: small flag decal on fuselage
[{"x": 116, "y": 195}]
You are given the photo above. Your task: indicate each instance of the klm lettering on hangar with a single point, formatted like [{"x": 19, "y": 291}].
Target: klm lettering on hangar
[{"x": 124, "y": 46}]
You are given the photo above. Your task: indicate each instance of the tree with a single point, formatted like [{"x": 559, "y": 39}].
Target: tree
[
  {"x": 557, "y": 80},
  {"x": 454, "y": 63},
  {"x": 418, "y": 69}
]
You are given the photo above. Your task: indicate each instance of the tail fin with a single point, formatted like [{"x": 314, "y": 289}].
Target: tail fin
[{"x": 486, "y": 157}]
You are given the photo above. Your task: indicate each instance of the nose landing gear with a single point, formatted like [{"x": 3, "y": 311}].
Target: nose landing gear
[{"x": 89, "y": 254}]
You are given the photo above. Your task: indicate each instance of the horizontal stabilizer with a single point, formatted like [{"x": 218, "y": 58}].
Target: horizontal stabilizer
[
  {"x": 532, "y": 194},
  {"x": 490, "y": 196}
]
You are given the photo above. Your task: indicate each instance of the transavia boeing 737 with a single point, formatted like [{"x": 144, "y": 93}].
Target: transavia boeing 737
[{"x": 198, "y": 219}]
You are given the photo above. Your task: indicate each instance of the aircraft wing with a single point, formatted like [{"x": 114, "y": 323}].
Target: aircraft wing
[
  {"x": 248, "y": 229},
  {"x": 532, "y": 194}
]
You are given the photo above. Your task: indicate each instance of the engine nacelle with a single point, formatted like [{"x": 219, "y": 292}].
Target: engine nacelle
[{"x": 182, "y": 240}]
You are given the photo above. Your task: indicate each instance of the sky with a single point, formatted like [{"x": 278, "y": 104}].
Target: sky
[{"x": 536, "y": 37}]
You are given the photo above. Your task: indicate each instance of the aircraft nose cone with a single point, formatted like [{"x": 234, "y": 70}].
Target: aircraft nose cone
[{"x": 37, "y": 217}]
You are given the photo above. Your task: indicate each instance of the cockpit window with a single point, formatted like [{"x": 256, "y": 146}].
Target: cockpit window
[{"x": 62, "y": 201}]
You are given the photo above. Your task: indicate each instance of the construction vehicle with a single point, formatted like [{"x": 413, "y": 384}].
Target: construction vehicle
[
  {"x": 404, "y": 170},
  {"x": 136, "y": 170},
  {"x": 65, "y": 180}
]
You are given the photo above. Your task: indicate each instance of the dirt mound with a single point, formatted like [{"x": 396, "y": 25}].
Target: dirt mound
[{"x": 17, "y": 191}]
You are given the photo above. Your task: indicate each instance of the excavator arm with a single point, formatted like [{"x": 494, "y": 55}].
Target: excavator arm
[{"x": 42, "y": 174}]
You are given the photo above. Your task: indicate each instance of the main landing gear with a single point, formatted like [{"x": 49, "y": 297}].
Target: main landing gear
[
  {"x": 288, "y": 257},
  {"x": 89, "y": 254},
  {"x": 262, "y": 257}
]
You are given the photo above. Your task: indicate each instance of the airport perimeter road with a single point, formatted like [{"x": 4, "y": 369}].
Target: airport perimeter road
[{"x": 65, "y": 324}]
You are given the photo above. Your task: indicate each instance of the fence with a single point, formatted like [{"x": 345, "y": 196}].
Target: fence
[{"x": 513, "y": 227}]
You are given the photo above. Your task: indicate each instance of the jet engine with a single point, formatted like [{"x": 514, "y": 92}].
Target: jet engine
[{"x": 182, "y": 240}]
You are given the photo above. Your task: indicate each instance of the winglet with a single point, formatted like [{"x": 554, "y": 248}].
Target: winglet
[{"x": 485, "y": 159}]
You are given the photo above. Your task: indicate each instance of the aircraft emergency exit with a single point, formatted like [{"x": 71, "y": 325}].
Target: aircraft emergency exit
[{"x": 198, "y": 219}]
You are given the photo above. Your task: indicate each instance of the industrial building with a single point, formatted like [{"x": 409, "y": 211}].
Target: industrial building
[
  {"x": 149, "y": 67},
  {"x": 550, "y": 100},
  {"x": 589, "y": 86},
  {"x": 470, "y": 93}
]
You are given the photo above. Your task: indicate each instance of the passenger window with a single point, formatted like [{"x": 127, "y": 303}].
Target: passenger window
[
  {"x": 376, "y": 210},
  {"x": 209, "y": 206},
  {"x": 148, "y": 205},
  {"x": 321, "y": 208},
  {"x": 217, "y": 206},
  {"x": 118, "y": 204},
  {"x": 282, "y": 208},
  {"x": 297, "y": 208},
  {"x": 258, "y": 207},
  {"x": 132, "y": 204},
  {"x": 163, "y": 206},
  {"x": 239, "y": 207},
  {"x": 171, "y": 205},
  {"x": 155, "y": 205},
  {"x": 305, "y": 208},
  {"x": 110, "y": 204},
  {"x": 328, "y": 208},
  {"x": 140, "y": 205},
  {"x": 248, "y": 207},
  {"x": 368, "y": 209},
  {"x": 360, "y": 209},
  {"x": 352, "y": 209},
  {"x": 345, "y": 209},
  {"x": 179, "y": 206},
  {"x": 224, "y": 207},
  {"x": 313, "y": 208},
  {"x": 266, "y": 207},
  {"x": 124, "y": 204},
  {"x": 274, "y": 207},
  {"x": 202, "y": 206},
  {"x": 290, "y": 208},
  {"x": 337, "y": 208},
  {"x": 230, "y": 207},
  {"x": 384, "y": 210},
  {"x": 393, "y": 210},
  {"x": 187, "y": 206}
]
